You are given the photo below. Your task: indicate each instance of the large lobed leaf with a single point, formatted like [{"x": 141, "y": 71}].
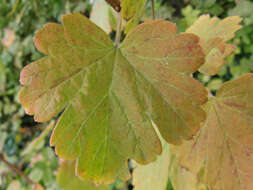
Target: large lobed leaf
[
  {"x": 111, "y": 95},
  {"x": 223, "y": 148},
  {"x": 213, "y": 34}
]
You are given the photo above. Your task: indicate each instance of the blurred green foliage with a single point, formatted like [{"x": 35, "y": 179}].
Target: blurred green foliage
[{"x": 19, "y": 19}]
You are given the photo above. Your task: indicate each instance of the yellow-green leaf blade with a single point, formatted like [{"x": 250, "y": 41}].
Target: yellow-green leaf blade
[
  {"x": 110, "y": 125},
  {"x": 163, "y": 61},
  {"x": 51, "y": 82},
  {"x": 132, "y": 12},
  {"x": 68, "y": 180}
]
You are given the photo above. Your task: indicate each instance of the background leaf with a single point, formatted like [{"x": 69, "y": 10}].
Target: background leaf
[
  {"x": 100, "y": 10},
  {"x": 213, "y": 34},
  {"x": 154, "y": 175},
  {"x": 223, "y": 147},
  {"x": 243, "y": 8},
  {"x": 183, "y": 179},
  {"x": 165, "y": 173}
]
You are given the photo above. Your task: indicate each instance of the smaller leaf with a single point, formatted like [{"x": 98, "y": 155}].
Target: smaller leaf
[
  {"x": 101, "y": 10},
  {"x": 214, "y": 33},
  {"x": 132, "y": 11},
  {"x": 215, "y": 84},
  {"x": 130, "y": 8},
  {"x": 36, "y": 174},
  {"x": 68, "y": 180},
  {"x": 9, "y": 37}
]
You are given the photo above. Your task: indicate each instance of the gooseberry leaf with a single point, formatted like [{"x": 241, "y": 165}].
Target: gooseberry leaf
[
  {"x": 223, "y": 148},
  {"x": 100, "y": 10},
  {"x": 132, "y": 12},
  {"x": 213, "y": 34},
  {"x": 111, "y": 94},
  {"x": 130, "y": 8},
  {"x": 68, "y": 180}
]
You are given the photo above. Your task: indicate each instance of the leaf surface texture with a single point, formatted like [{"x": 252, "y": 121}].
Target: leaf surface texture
[
  {"x": 68, "y": 180},
  {"x": 110, "y": 95},
  {"x": 182, "y": 179}
]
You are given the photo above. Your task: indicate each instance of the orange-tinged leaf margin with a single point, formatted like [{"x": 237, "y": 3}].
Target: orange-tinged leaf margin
[{"x": 68, "y": 180}]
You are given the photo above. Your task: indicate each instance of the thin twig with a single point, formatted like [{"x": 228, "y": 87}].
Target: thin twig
[
  {"x": 153, "y": 9},
  {"x": 16, "y": 170},
  {"x": 118, "y": 32}
]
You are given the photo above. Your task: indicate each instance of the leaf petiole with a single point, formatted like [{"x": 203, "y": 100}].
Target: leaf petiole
[
  {"x": 153, "y": 9},
  {"x": 118, "y": 32}
]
